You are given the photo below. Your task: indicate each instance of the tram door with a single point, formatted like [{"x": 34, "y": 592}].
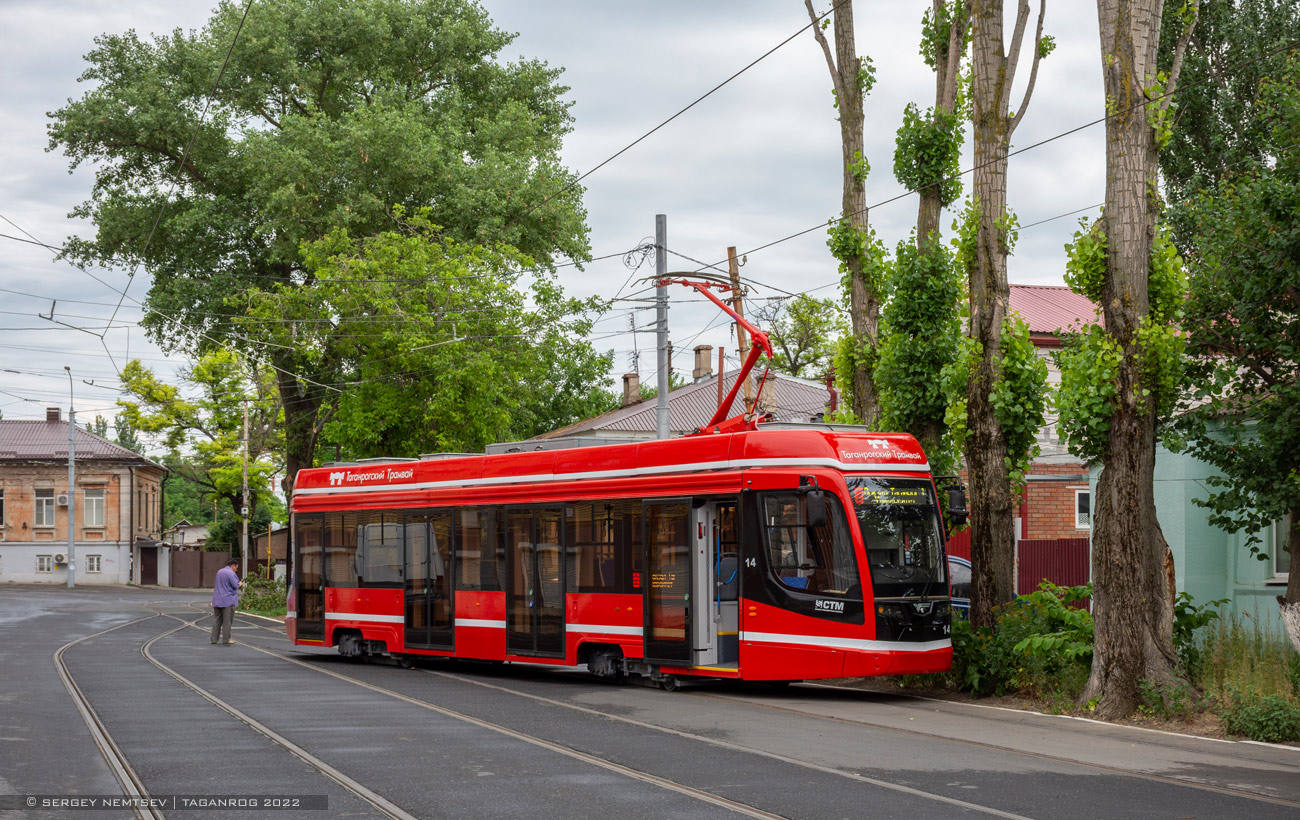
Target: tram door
[
  {"x": 535, "y": 582},
  {"x": 430, "y": 605},
  {"x": 667, "y": 586},
  {"x": 310, "y": 579}
]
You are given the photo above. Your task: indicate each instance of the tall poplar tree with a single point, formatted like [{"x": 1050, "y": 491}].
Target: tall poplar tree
[
  {"x": 1119, "y": 383},
  {"x": 991, "y": 420}
]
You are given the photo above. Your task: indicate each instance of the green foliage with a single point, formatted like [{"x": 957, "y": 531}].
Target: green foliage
[
  {"x": 928, "y": 152},
  {"x": 1046, "y": 45},
  {"x": 1090, "y": 358},
  {"x": 204, "y": 430},
  {"x": 1189, "y": 619},
  {"x": 1220, "y": 118},
  {"x": 1242, "y": 327},
  {"x": 1040, "y": 645},
  {"x": 447, "y": 354},
  {"x": 966, "y": 240},
  {"x": 1267, "y": 718},
  {"x": 804, "y": 332},
  {"x": 328, "y": 115},
  {"x": 1172, "y": 701},
  {"x": 1019, "y": 398},
  {"x": 920, "y": 336},
  {"x": 847, "y": 243},
  {"x": 263, "y": 596}
]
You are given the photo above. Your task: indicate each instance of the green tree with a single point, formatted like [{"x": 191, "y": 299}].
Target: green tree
[
  {"x": 184, "y": 499},
  {"x": 327, "y": 115},
  {"x": 861, "y": 256},
  {"x": 125, "y": 434},
  {"x": 989, "y": 454},
  {"x": 920, "y": 328},
  {"x": 1242, "y": 327},
  {"x": 803, "y": 331},
  {"x": 1119, "y": 384},
  {"x": 204, "y": 434},
  {"x": 446, "y": 352}
]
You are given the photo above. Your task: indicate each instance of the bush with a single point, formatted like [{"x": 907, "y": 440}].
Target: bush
[
  {"x": 1041, "y": 646},
  {"x": 1188, "y": 619},
  {"x": 1267, "y": 718},
  {"x": 263, "y": 596}
]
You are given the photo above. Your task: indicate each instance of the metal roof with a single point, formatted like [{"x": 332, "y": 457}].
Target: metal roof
[
  {"x": 35, "y": 440},
  {"x": 1049, "y": 308},
  {"x": 692, "y": 405}
]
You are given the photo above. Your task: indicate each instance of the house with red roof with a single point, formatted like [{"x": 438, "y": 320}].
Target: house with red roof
[{"x": 114, "y": 507}]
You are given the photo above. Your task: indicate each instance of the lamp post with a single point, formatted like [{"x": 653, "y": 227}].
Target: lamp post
[{"x": 72, "y": 485}]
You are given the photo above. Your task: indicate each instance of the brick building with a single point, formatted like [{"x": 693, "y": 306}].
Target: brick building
[
  {"x": 116, "y": 504},
  {"x": 1056, "y": 503}
]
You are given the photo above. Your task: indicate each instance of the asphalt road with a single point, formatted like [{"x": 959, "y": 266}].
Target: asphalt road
[{"x": 464, "y": 740}]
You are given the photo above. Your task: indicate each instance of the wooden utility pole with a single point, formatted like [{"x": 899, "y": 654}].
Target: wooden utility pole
[{"x": 742, "y": 338}]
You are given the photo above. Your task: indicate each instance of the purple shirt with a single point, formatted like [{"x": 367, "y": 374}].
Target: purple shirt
[{"x": 226, "y": 591}]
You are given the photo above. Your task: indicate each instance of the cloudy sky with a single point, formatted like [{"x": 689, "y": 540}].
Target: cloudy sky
[{"x": 754, "y": 163}]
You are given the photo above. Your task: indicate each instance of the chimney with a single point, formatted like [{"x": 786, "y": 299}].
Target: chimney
[
  {"x": 53, "y": 414},
  {"x": 703, "y": 362},
  {"x": 631, "y": 389}
]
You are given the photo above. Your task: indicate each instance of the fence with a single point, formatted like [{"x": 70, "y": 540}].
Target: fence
[
  {"x": 196, "y": 568},
  {"x": 1063, "y": 561}
]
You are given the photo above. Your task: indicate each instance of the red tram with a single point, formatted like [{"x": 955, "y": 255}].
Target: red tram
[{"x": 754, "y": 551}]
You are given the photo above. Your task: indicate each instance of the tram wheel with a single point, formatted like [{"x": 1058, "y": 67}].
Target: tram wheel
[
  {"x": 669, "y": 683},
  {"x": 405, "y": 662}
]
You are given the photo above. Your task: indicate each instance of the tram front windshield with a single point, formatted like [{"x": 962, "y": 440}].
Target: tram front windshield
[{"x": 899, "y": 522}]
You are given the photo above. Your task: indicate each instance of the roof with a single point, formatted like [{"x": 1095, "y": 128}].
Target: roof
[
  {"x": 691, "y": 406},
  {"x": 38, "y": 440},
  {"x": 1051, "y": 308}
]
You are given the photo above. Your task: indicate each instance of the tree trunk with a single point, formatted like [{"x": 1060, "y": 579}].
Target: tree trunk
[
  {"x": 1293, "y": 548},
  {"x": 992, "y": 536},
  {"x": 1132, "y": 567},
  {"x": 864, "y": 299},
  {"x": 302, "y": 424}
]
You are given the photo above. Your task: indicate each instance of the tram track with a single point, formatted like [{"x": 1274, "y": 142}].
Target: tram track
[
  {"x": 132, "y": 784},
  {"x": 1023, "y": 753},
  {"x": 1059, "y": 759}
]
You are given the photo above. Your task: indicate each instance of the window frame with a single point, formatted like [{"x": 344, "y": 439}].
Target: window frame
[
  {"x": 1281, "y": 528},
  {"x": 94, "y": 563},
  {"x": 44, "y": 564},
  {"x": 796, "y": 542},
  {"x": 1082, "y": 493},
  {"x": 99, "y": 496},
  {"x": 43, "y": 495}
]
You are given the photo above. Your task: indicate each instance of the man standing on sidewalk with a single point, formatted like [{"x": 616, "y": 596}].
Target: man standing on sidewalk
[{"x": 225, "y": 592}]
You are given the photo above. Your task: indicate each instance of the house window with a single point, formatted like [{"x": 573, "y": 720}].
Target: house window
[
  {"x": 1281, "y": 558},
  {"x": 45, "y": 509},
  {"x": 93, "y": 507},
  {"x": 92, "y": 563},
  {"x": 2, "y": 507},
  {"x": 45, "y": 563},
  {"x": 1082, "y": 509}
]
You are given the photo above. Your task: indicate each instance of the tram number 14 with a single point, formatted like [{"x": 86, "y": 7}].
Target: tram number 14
[{"x": 751, "y": 562}]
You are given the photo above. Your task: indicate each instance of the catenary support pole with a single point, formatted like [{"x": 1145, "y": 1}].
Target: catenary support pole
[
  {"x": 72, "y": 486},
  {"x": 661, "y": 321}
]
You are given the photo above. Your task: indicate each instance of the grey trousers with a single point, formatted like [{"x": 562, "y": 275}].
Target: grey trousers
[{"x": 222, "y": 618}]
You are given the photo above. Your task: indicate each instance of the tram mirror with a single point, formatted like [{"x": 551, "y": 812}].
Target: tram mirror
[
  {"x": 957, "y": 512},
  {"x": 816, "y": 508}
]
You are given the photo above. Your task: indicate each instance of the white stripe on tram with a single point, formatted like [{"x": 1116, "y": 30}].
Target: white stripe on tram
[
  {"x": 836, "y": 464},
  {"x": 601, "y": 629},
  {"x": 858, "y": 644},
  {"x": 480, "y": 622},
  {"x": 362, "y": 616}
]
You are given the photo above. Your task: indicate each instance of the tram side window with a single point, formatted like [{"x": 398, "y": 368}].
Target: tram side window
[
  {"x": 379, "y": 543},
  {"x": 804, "y": 557},
  {"x": 476, "y": 546},
  {"x": 341, "y": 549},
  {"x": 633, "y": 574},
  {"x": 595, "y": 539}
]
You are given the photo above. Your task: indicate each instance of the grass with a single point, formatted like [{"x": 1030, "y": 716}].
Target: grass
[{"x": 264, "y": 596}]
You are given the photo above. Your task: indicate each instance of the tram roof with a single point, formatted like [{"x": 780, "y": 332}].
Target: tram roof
[{"x": 789, "y": 446}]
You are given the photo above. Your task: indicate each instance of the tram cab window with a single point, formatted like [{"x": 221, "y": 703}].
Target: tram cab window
[
  {"x": 899, "y": 521},
  {"x": 379, "y": 545},
  {"x": 810, "y": 559}
]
